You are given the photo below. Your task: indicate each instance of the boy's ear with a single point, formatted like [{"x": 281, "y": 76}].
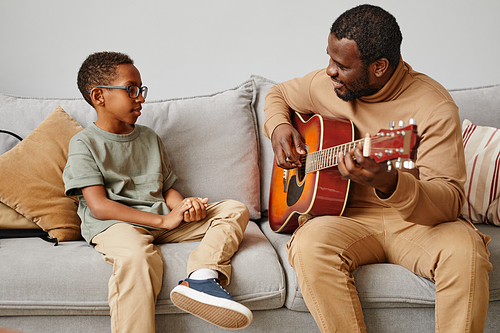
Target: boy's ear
[{"x": 97, "y": 96}]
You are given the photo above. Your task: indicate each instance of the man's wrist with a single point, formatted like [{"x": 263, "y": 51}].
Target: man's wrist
[{"x": 390, "y": 188}]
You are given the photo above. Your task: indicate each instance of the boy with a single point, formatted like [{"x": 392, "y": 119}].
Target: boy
[{"x": 121, "y": 174}]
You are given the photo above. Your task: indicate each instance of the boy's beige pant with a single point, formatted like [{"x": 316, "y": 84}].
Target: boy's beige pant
[
  {"x": 325, "y": 250},
  {"x": 138, "y": 265}
]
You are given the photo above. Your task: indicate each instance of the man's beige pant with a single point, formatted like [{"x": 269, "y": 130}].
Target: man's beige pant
[
  {"x": 138, "y": 265},
  {"x": 325, "y": 250}
]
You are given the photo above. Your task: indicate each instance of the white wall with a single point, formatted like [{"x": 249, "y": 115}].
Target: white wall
[{"x": 191, "y": 47}]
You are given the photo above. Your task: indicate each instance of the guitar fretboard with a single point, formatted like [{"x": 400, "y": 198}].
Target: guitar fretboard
[{"x": 327, "y": 158}]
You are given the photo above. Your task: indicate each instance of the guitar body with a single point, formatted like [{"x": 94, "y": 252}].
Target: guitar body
[{"x": 293, "y": 192}]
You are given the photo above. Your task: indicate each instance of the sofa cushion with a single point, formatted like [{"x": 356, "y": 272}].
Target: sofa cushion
[
  {"x": 482, "y": 188},
  {"x": 266, "y": 150},
  {"x": 212, "y": 144},
  {"x": 182, "y": 124},
  {"x": 405, "y": 289},
  {"x": 494, "y": 248},
  {"x": 8, "y": 140},
  {"x": 479, "y": 105},
  {"x": 65, "y": 286},
  {"x": 31, "y": 178},
  {"x": 21, "y": 115}
]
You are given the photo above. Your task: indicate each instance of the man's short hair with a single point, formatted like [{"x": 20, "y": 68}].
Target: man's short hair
[
  {"x": 99, "y": 69},
  {"x": 374, "y": 30}
]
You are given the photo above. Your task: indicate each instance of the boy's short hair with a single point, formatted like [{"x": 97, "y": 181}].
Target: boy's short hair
[{"x": 99, "y": 69}]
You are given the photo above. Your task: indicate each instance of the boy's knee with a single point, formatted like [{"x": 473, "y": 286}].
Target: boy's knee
[
  {"x": 238, "y": 207},
  {"x": 237, "y": 211}
]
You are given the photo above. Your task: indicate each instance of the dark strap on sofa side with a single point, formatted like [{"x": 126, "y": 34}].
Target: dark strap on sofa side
[{"x": 23, "y": 233}]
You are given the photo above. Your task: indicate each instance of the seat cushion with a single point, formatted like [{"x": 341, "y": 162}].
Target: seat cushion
[
  {"x": 494, "y": 248},
  {"x": 384, "y": 285},
  {"x": 72, "y": 278}
]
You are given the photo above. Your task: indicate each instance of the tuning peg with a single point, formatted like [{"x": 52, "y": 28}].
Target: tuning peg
[
  {"x": 409, "y": 164},
  {"x": 389, "y": 166},
  {"x": 392, "y": 125},
  {"x": 398, "y": 164},
  {"x": 413, "y": 121},
  {"x": 401, "y": 124}
]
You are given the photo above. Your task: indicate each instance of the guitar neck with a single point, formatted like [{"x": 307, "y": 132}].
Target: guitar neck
[{"x": 326, "y": 158}]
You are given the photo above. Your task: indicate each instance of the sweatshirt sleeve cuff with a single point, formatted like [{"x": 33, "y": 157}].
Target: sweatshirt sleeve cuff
[
  {"x": 274, "y": 122},
  {"x": 405, "y": 193}
]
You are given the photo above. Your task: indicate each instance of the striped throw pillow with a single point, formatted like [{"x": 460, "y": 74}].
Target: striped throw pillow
[{"x": 482, "y": 158}]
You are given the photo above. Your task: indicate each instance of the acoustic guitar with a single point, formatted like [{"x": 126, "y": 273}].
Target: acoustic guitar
[{"x": 317, "y": 187}]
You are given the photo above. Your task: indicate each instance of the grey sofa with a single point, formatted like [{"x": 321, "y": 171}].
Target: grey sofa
[{"x": 217, "y": 150}]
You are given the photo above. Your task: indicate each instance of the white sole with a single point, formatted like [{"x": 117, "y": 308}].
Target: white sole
[{"x": 218, "y": 311}]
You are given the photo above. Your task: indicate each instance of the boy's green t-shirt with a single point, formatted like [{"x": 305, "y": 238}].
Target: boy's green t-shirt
[{"x": 133, "y": 168}]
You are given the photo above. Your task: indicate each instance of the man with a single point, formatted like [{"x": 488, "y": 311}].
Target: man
[{"x": 406, "y": 217}]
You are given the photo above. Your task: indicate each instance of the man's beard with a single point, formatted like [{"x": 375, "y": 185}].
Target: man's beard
[{"x": 361, "y": 87}]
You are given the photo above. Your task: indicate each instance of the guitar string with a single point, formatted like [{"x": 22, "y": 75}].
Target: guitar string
[{"x": 328, "y": 157}]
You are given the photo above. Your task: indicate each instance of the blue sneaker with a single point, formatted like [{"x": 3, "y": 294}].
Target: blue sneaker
[{"x": 207, "y": 300}]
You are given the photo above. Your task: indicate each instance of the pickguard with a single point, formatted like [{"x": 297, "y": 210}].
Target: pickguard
[{"x": 294, "y": 191}]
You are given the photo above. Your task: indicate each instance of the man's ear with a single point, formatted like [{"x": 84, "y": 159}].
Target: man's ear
[
  {"x": 97, "y": 96},
  {"x": 380, "y": 67}
]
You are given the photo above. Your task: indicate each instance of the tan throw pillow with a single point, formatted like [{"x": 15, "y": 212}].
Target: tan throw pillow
[
  {"x": 10, "y": 219},
  {"x": 31, "y": 178},
  {"x": 482, "y": 158}
]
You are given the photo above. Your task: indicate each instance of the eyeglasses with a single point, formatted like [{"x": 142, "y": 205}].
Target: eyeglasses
[{"x": 133, "y": 91}]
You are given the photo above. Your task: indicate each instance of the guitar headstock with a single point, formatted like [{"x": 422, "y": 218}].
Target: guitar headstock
[{"x": 390, "y": 144}]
